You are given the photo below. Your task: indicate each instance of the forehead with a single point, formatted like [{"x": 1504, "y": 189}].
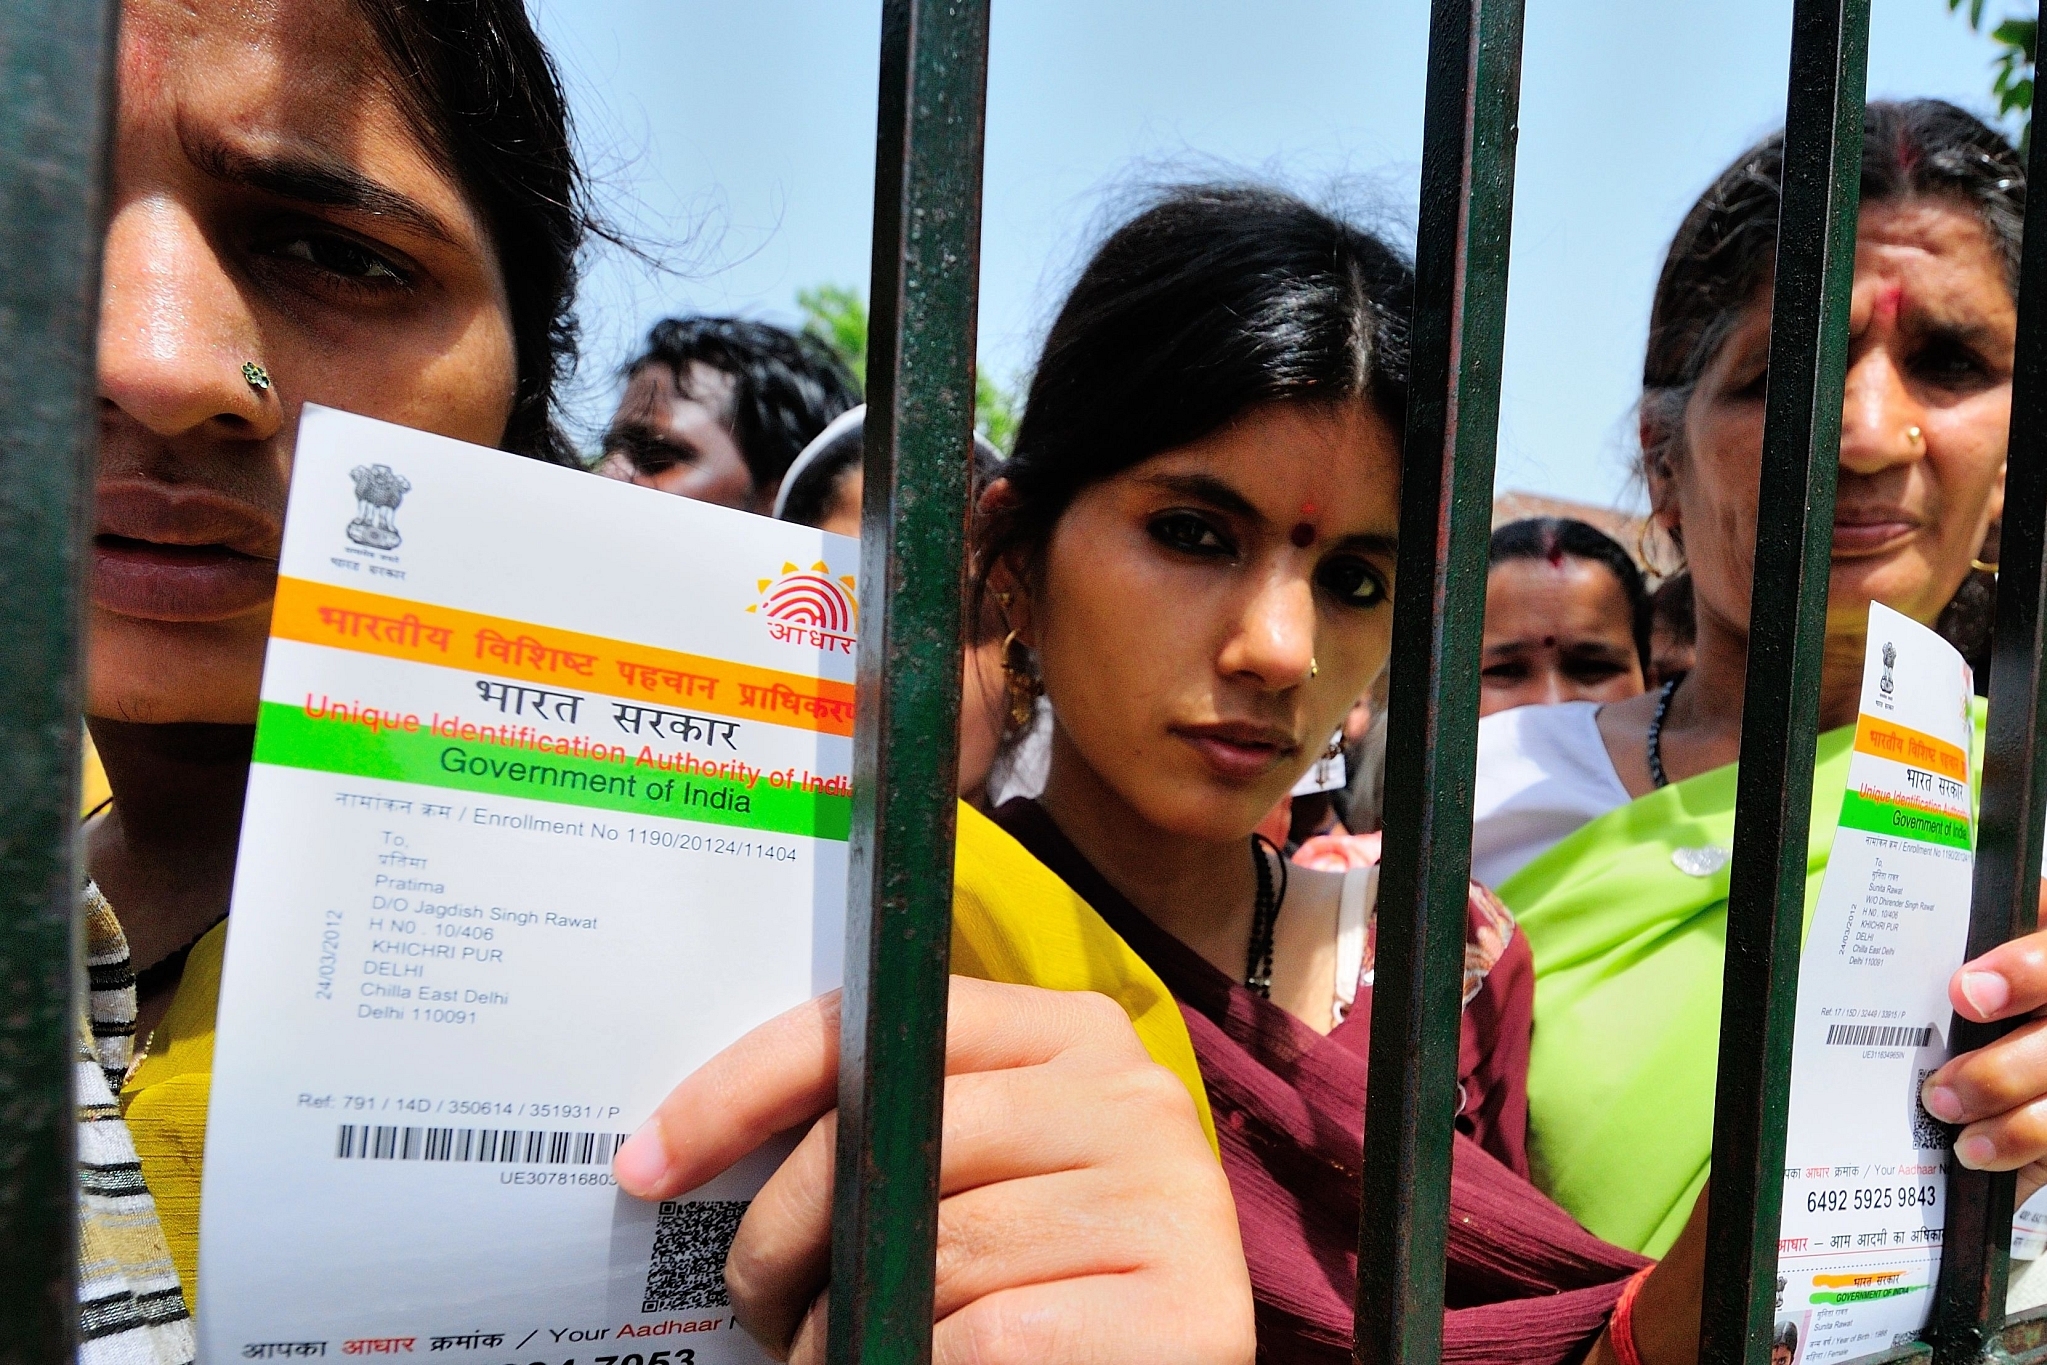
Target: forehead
[
  {"x": 1336, "y": 467},
  {"x": 1940, "y": 239},
  {"x": 303, "y": 78},
  {"x": 1571, "y": 596},
  {"x": 255, "y": 64},
  {"x": 654, "y": 392},
  {"x": 1935, "y": 251}
]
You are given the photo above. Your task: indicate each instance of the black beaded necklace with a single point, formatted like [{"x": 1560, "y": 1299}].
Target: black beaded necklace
[
  {"x": 1264, "y": 915},
  {"x": 1656, "y": 773}
]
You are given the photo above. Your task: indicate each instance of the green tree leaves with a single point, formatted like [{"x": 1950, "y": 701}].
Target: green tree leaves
[
  {"x": 2018, "y": 44},
  {"x": 837, "y": 316}
]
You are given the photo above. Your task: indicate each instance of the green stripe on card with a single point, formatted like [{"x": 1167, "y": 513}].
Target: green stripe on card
[
  {"x": 1903, "y": 822},
  {"x": 289, "y": 738}
]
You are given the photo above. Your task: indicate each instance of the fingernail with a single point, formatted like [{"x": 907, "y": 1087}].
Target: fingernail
[
  {"x": 1986, "y": 992},
  {"x": 1943, "y": 1103},
  {"x": 642, "y": 1162},
  {"x": 1975, "y": 1152}
]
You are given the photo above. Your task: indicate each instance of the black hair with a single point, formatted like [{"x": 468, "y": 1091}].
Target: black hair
[
  {"x": 786, "y": 387},
  {"x": 813, "y": 489},
  {"x": 1726, "y": 248},
  {"x": 1552, "y": 538},
  {"x": 1215, "y": 300},
  {"x": 484, "y": 98},
  {"x": 1671, "y": 606}
]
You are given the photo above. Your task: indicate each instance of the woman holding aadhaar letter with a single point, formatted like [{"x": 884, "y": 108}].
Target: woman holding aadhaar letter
[
  {"x": 372, "y": 204},
  {"x": 1608, "y": 829},
  {"x": 339, "y": 201}
]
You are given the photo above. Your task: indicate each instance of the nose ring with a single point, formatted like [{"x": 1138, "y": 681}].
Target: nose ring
[
  {"x": 258, "y": 378},
  {"x": 1917, "y": 438}
]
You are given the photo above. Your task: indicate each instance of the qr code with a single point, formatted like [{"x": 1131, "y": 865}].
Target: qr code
[
  {"x": 1929, "y": 1134},
  {"x": 690, "y": 1242}
]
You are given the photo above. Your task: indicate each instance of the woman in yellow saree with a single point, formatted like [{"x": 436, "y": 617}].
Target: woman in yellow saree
[{"x": 1608, "y": 830}]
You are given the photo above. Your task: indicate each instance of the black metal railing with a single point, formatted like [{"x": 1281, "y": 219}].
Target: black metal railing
[{"x": 55, "y": 100}]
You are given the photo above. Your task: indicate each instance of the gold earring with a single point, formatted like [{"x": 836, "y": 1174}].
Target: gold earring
[
  {"x": 1335, "y": 749},
  {"x": 1917, "y": 438},
  {"x": 1314, "y": 669},
  {"x": 1980, "y": 567},
  {"x": 1021, "y": 688}
]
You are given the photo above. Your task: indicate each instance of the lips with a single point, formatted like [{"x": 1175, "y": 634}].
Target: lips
[
  {"x": 1869, "y": 530},
  {"x": 1238, "y": 752},
  {"x": 177, "y": 553}
]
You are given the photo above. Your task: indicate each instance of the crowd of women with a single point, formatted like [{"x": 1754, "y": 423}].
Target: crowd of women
[{"x": 1159, "y": 1028}]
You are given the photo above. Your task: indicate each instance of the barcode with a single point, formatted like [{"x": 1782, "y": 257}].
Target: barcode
[
  {"x": 1929, "y": 1134},
  {"x": 686, "y": 1270},
  {"x": 509, "y": 1146},
  {"x": 1879, "y": 1035}
]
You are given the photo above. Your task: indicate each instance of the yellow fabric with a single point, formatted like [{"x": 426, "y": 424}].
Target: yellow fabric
[
  {"x": 164, "y": 1102},
  {"x": 1013, "y": 920},
  {"x": 92, "y": 788}
]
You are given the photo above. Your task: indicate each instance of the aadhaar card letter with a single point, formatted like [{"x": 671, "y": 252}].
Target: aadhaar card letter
[
  {"x": 549, "y": 804},
  {"x": 1865, "y": 1165}
]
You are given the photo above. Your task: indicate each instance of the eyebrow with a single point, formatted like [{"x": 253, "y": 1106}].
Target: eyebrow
[
  {"x": 319, "y": 181},
  {"x": 1604, "y": 648},
  {"x": 1969, "y": 333},
  {"x": 1219, "y": 495}
]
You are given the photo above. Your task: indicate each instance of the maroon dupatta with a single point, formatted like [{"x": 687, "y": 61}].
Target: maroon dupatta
[{"x": 1525, "y": 1283}]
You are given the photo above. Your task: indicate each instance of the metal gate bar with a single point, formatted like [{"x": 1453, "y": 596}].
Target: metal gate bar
[
  {"x": 55, "y": 62},
  {"x": 55, "y": 96},
  {"x": 1787, "y": 627},
  {"x": 1446, "y": 501},
  {"x": 1975, "y": 1258},
  {"x": 920, "y": 421}
]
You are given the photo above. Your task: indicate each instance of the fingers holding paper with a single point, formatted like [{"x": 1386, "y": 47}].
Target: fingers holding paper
[
  {"x": 1998, "y": 1093},
  {"x": 1081, "y": 1210}
]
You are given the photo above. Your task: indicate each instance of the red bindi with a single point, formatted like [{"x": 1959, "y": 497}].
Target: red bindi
[
  {"x": 1303, "y": 535},
  {"x": 1888, "y": 302}
]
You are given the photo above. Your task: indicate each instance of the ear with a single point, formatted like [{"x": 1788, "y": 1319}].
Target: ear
[
  {"x": 1995, "y": 520},
  {"x": 1009, "y": 600},
  {"x": 1008, "y": 594},
  {"x": 998, "y": 496},
  {"x": 1658, "y": 475}
]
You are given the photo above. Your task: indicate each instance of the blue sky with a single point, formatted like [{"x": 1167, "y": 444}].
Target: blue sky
[{"x": 736, "y": 143}]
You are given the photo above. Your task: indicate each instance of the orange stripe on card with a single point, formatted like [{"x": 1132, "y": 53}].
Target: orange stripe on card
[
  {"x": 1888, "y": 739},
  {"x": 419, "y": 632}
]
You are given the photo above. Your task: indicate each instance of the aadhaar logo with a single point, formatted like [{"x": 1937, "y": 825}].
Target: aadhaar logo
[{"x": 809, "y": 607}]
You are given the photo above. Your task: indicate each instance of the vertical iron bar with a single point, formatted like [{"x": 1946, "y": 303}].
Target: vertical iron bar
[
  {"x": 920, "y": 418},
  {"x": 56, "y": 103},
  {"x": 1787, "y": 625},
  {"x": 1467, "y": 205},
  {"x": 1976, "y": 1251}
]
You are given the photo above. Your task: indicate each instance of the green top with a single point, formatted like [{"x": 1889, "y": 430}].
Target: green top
[{"x": 1628, "y": 961}]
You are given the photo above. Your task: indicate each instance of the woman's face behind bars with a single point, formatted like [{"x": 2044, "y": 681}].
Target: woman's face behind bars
[{"x": 271, "y": 207}]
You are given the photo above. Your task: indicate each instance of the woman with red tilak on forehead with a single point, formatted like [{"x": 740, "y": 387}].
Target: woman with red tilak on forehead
[
  {"x": 1193, "y": 542},
  {"x": 1607, "y": 827}
]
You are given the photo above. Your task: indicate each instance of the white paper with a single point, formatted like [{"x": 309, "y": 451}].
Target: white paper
[
  {"x": 463, "y": 961},
  {"x": 2029, "y": 1228},
  {"x": 1865, "y": 1166}
]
